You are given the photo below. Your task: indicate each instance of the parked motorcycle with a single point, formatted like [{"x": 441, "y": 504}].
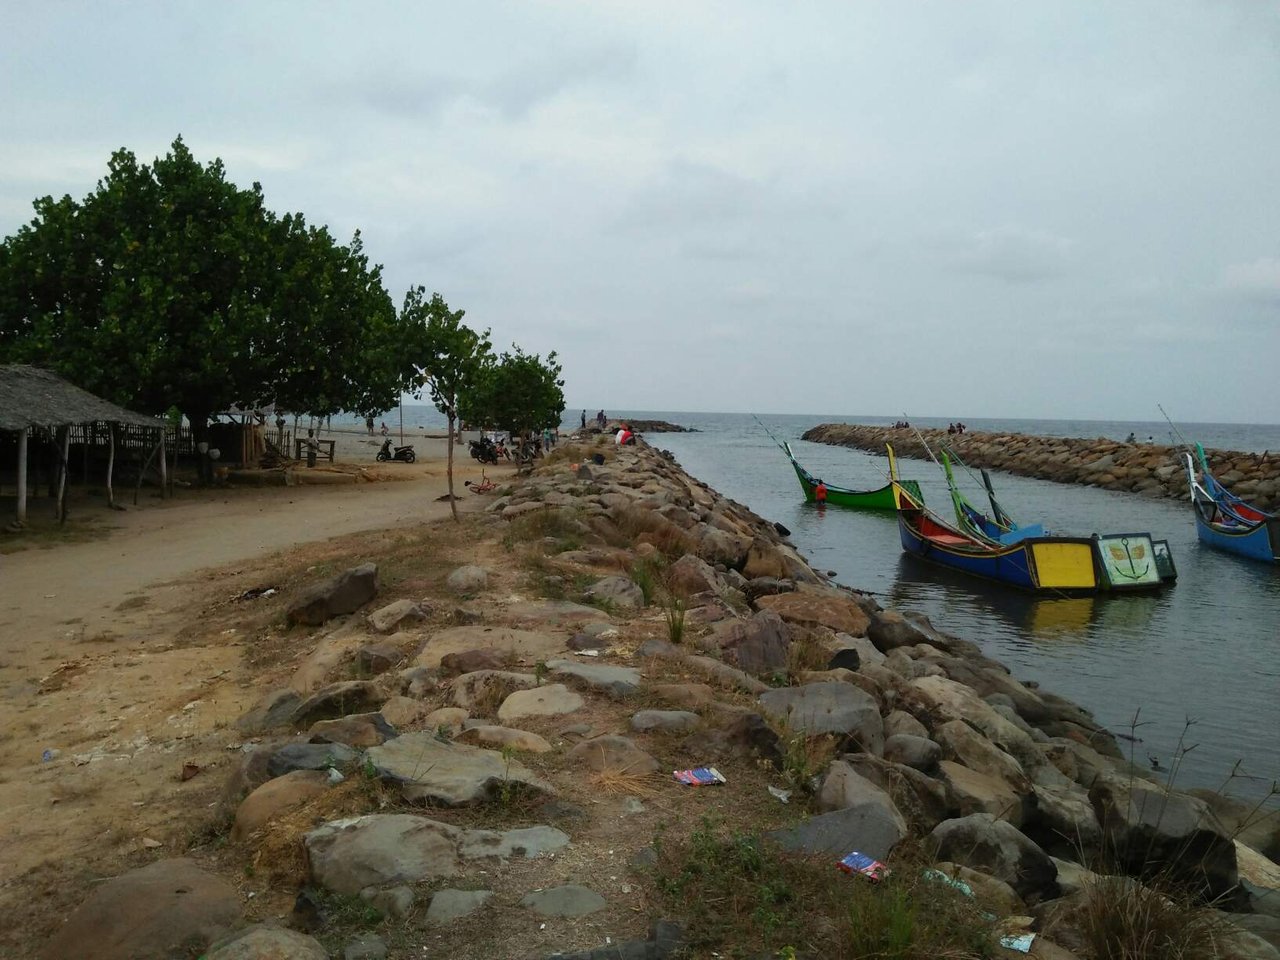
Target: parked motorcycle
[
  {"x": 404, "y": 454},
  {"x": 484, "y": 450}
]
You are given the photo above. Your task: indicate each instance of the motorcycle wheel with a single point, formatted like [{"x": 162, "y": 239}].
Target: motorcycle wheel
[
  {"x": 408, "y": 456},
  {"x": 382, "y": 457}
]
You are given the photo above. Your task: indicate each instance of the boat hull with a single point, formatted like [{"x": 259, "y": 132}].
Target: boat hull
[
  {"x": 1262, "y": 542},
  {"x": 879, "y": 499}
]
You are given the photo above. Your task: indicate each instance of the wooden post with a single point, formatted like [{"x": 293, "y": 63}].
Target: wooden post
[
  {"x": 164, "y": 469},
  {"x": 64, "y": 450},
  {"x": 22, "y": 475},
  {"x": 111, "y": 463}
]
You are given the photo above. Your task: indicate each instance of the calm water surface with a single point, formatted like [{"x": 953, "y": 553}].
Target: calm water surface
[{"x": 1207, "y": 650}]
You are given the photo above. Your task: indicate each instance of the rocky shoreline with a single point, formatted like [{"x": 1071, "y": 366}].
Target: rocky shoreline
[
  {"x": 1150, "y": 469},
  {"x": 480, "y": 757}
]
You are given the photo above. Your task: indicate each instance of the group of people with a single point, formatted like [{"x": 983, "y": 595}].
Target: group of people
[
  {"x": 956, "y": 427},
  {"x": 902, "y": 425}
]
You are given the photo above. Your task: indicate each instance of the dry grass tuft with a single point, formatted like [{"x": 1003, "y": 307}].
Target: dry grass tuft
[
  {"x": 1122, "y": 919},
  {"x": 645, "y": 785}
]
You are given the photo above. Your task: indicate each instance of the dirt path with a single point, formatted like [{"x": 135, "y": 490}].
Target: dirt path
[{"x": 97, "y": 664}]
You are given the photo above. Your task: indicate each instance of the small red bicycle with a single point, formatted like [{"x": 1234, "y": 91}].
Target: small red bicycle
[{"x": 485, "y": 485}]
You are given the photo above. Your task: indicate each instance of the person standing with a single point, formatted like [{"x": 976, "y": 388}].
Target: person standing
[
  {"x": 584, "y": 419},
  {"x": 820, "y": 493}
]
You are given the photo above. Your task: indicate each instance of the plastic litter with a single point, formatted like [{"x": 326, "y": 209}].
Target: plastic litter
[
  {"x": 1020, "y": 942},
  {"x": 335, "y": 776},
  {"x": 869, "y": 867},
  {"x": 50, "y": 754},
  {"x": 941, "y": 877},
  {"x": 700, "y": 777},
  {"x": 783, "y": 795}
]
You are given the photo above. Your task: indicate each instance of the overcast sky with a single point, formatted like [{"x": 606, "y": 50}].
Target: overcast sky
[{"x": 1035, "y": 209}]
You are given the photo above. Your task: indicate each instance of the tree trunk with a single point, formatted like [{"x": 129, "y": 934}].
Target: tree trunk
[
  {"x": 111, "y": 464},
  {"x": 164, "y": 469},
  {"x": 199, "y": 421},
  {"x": 22, "y": 476},
  {"x": 64, "y": 450},
  {"x": 453, "y": 504}
]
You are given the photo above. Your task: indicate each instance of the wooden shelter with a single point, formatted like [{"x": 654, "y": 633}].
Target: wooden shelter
[{"x": 35, "y": 399}]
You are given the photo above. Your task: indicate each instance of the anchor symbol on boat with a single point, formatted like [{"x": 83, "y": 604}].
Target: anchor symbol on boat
[{"x": 1133, "y": 554}]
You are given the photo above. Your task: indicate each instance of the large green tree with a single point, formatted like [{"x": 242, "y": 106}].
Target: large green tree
[
  {"x": 451, "y": 356},
  {"x": 171, "y": 286},
  {"x": 519, "y": 392}
]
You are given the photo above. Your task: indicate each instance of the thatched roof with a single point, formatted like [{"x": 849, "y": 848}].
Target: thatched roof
[{"x": 31, "y": 397}]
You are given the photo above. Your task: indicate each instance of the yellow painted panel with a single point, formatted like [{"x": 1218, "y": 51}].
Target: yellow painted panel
[{"x": 1067, "y": 566}]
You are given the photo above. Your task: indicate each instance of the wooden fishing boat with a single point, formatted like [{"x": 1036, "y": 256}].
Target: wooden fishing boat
[
  {"x": 1038, "y": 563},
  {"x": 1225, "y": 521},
  {"x": 878, "y": 499}
]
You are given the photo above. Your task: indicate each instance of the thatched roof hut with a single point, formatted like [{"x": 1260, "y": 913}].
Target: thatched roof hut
[
  {"x": 31, "y": 397},
  {"x": 34, "y": 398}
]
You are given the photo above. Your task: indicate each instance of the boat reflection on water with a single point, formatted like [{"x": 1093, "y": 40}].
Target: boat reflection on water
[{"x": 1073, "y": 619}]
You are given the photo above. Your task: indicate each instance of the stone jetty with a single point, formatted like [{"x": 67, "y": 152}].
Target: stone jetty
[
  {"x": 476, "y": 754},
  {"x": 1151, "y": 469}
]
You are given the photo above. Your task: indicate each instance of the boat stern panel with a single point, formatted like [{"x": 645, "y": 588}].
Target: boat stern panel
[
  {"x": 1129, "y": 560},
  {"x": 1064, "y": 566}
]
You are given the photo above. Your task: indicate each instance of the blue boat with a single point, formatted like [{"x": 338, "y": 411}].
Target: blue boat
[
  {"x": 1035, "y": 562},
  {"x": 1225, "y": 521}
]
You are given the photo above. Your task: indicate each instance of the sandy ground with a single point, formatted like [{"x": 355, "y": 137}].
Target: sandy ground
[{"x": 110, "y": 657}]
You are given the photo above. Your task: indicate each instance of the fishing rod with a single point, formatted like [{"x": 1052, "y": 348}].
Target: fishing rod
[
  {"x": 920, "y": 436},
  {"x": 1176, "y": 433}
]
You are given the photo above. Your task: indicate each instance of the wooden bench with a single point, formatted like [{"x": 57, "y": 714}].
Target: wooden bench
[{"x": 324, "y": 448}]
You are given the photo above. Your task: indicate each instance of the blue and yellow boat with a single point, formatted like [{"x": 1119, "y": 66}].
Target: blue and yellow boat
[
  {"x": 1225, "y": 521},
  {"x": 1031, "y": 560}
]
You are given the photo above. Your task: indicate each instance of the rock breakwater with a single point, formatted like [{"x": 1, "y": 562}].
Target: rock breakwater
[{"x": 1150, "y": 469}]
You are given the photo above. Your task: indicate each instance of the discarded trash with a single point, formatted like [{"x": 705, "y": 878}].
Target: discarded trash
[
  {"x": 50, "y": 754},
  {"x": 700, "y": 777},
  {"x": 1020, "y": 942},
  {"x": 949, "y": 881},
  {"x": 587, "y": 653},
  {"x": 783, "y": 795},
  {"x": 257, "y": 592},
  {"x": 869, "y": 867},
  {"x": 335, "y": 776},
  {"x": 189, "y": 770}
]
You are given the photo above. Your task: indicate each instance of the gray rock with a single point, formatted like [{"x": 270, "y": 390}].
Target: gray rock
[
  {"x": 962, "y": 743},
  {"x": 620, "y": 591},
  {"x": 528, "y": 842},
  {"x": 449, "y": 905},
  {"x": 452, "y": 774},
  {"x": 273, "y": 711},
  {"x": 657, "y": 647},
  {"x": 866, "y": 827},
  {"x": 276, "y": 943},
  {"x": 148, "y": 914},
  {"x": 468, "y": 579},
  {"x": 889, "y": 630},
  {"x": 843, "y": 787},
  {"x": 392, "y": 901},
  {"x": 615, "y": 680},
  {"x": 387, "y": 619},
  {"x": 311, "y": 756},
  {"x": 376, "y": 658},
  {"x": 666, "y": 940},
  {"x": 667, "y": 721},
  {"x": 757, "y": 646},
  {"x": 367, "y": 946},
  {"x": 1144, "y": 823},
  {"x": 614, "y": 754},
  {"x": 901, "y": 722},
  {"x": 982, "y": 842},
  {"x": 919, "y": 753},
  {"x": 831, "y": 707},
  {"x": 1064, "y": 820},
  {"x": 338, "y": 700},
  {"x": 470, "y": 688},
  {"x": 553, "y": 700},
  {"x": 377, "y": 850},
  {"x": 570, "y": 900},
  {"x": 969, "y": 791},
  {"x": 357, "y": 730},
  {"x": 726, "y": 675},
  {"x": 345, "y": 593}
]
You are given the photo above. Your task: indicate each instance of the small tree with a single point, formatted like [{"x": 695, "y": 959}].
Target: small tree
[
  {"x": 519, "y": 392},
  {"x": 450, "y": 354}
]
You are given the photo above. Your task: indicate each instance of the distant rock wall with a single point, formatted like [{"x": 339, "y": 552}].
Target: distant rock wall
[{"x": 1153, "y": 470}]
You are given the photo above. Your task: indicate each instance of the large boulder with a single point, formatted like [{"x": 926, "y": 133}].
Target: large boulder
[
  {"x": 390, "y": 618},
  {"x": 971, "y": 792},
  {"x": 274, "y": 710},
  {"x": 552, "y": 700},
  {"x": 156, "y": 912},
  {"x": 866, "y": 826},
  {"x": 832, "y": 707},
  {"x": 889, "y": 630},
  {"x": 936, "y": 700},
  {"x": 1150, "y": 828},
  {"x": 276, "y": 796},
  {"x": 345, "y": 593},
  {"x": 963, "y": 744},
  {"x": 355, "y": 730},
  {"x": 338, "y": 700},
  {"x": 265, "y": 942},
  {"x": 813, "y": 608},
  {"x": 994, "y": 846},
  {"x": 618, "y": 681},
  {"x": 614, "y": 754},
  {"x": 467, "y": 580},
  {"x": 310, "y": 756},
  {"x": 451, "y": 774},
  {"x": 691, "y": 575},
  {"x": 844, "y": 787},
  {"x": 758, "y": 645},
  {"x": 620, "y": 591},
  {"x": 918, "y": 752}
]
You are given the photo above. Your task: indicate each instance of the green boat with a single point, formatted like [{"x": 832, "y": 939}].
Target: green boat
[{"x": 880, "y": 499}]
